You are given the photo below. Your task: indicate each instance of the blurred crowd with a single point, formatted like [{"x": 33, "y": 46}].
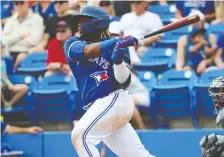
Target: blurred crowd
[{"x": 43, "y": 26}]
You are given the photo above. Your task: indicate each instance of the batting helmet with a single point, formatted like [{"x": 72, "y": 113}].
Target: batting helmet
[
  {"x": 216, "y": 90},
  {"x": 100, "y": 19}
]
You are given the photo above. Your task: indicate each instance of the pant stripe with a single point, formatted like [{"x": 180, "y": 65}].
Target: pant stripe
[{"x": 95, "y": 121}]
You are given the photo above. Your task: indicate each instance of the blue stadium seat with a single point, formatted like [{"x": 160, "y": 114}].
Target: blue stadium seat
[
  {"x": 216, "y": 29},
  {"x": 148, "y": 78},
  {"x": 172, "y": 97},
  {"x": 207, "y": 77},
  {"x": 170, "y": 39},
  {"x": 58, "y": 81},
  {"x": 173, "y": 77},
  {"x": 55, "y": 98},
  {"x": 26, "y": 104},
  {"x": 202, "y": 102},
  {"x": 157, "y": 60},
  {"x": 9, "y": 64},
  {"x": 34, "y": 64}
]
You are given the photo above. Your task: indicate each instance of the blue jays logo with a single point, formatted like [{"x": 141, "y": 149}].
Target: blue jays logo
[{"x": 99, "y": 76}]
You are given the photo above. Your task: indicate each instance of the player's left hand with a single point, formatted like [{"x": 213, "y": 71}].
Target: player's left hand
[
  {"x": 117, "y": 55},
  {"x": 127, "y": 41}
]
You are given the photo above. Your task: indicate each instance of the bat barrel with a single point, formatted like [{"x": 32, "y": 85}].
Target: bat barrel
[{"x": 174, "y": 25}]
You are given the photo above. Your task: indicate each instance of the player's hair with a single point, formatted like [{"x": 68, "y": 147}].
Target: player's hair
[{"x": 96, "y": 36}]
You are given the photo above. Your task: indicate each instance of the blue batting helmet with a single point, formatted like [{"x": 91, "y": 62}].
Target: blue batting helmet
[{"x": 100, "y": 19}]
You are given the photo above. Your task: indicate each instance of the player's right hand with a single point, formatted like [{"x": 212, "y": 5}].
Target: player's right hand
[
  {"x": 127, "y": 41},
  {"x": 117, "y": 55}
]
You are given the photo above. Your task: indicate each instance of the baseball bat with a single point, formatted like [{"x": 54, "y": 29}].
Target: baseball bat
[{"x": 174, "y": 25}]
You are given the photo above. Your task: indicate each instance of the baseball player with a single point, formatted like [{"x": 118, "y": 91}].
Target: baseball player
[
  {"x": 213, "y": 145},
  {"x": 100, "y": 65}
]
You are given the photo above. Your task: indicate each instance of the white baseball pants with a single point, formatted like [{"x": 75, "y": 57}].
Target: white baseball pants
[{"x": 107, "y": 120}]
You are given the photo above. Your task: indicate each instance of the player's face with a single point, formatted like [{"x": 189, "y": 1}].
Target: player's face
[{"x": 81, "y": 21}]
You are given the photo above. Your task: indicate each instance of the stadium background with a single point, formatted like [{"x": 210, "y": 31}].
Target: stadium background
[{"x": 53, "y": 104}]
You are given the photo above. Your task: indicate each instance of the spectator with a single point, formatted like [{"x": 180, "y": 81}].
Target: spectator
[
  {"x": 219, "y": 56},
  {"x": 122, "y": 7},
  {"x": 141, "y": 22},
  {"x": 61, "y": 8},
  {"x": 22, "y": 30},
  {"x": 219, "y": 11},
  {"x": 10, "y": 94},
  {"x": 106, "y": 4},
  {"x": 206, "y": 7},
  {"x": 45, "y": 9},
  {"x": 139, "y": 93},
  {"x": 196, "y": 50},
  {"x": 115, "y": 31},
  {"x": 6, "y": 11},
  {"x": 56, "y": 59},
  {"x": 75, "y": 6},
  {"x": 10, "y": 129},
  {"x": 140, "y": 96}
]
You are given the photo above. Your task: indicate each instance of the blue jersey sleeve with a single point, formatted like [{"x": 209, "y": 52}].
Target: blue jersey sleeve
[{"x": 73, "y": 48}]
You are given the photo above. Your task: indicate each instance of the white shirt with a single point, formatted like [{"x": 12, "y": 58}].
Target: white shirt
[
  {"x": 137, "y": 26},
  {"x": 32, "y": 24},
  {"x": 136, "y": 85}
]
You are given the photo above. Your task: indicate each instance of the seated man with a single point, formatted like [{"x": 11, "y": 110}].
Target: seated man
[
  {"x": 219, "y": 56},
  {"x": 10, "y": 93},
  {"x": 56, "y": 61},
  {"x": 61, "y": 8},
  {"x": 22, "y": 30},
  {"x": 196, "y": 50},
  {"x": 140, "y": 22}
]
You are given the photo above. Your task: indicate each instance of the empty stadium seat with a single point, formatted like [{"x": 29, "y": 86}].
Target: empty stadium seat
[
  {"x": 9, "y": 64},
  {"x": 171, "y": 98},
  {"x": 216, "y": 29},
  {"x": 208, "y": 76},
  {"x": 55, "y": 98},
  {"x": 26, "y": 104},
  {"x": 157, "y": 60},
  {"x": 34, "y": 64},
  {"x": 202, "y": 102},
  {"x": 148, "y": 78},
  {"x": 171, "y": 38},
  {"x": 58, "y": 81},
  {"x": 173, "y": 77}
]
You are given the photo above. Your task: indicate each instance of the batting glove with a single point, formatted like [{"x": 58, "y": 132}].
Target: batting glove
[
  {"x": 117, "y": 55},
  {"x": 127, "y": 41}
]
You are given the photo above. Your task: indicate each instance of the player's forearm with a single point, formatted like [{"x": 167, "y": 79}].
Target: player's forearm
[
  {"x": 97, "y": 49},
  {"x": 121, "y": 72}
]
